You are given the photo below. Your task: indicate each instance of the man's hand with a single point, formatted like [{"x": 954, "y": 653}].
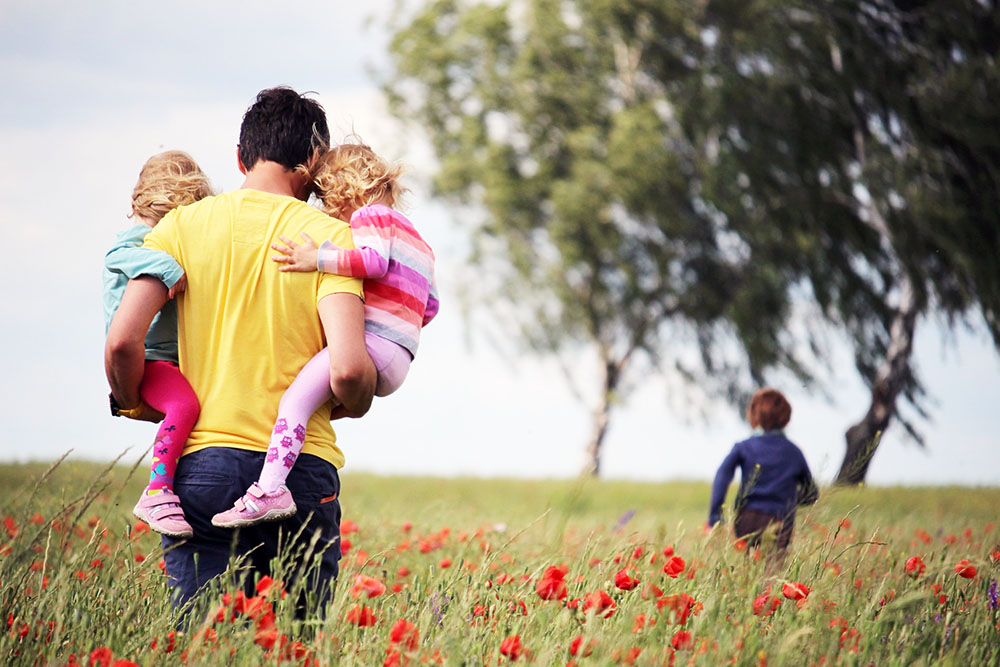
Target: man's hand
[
  {"x": 352, "y": 373},
  {"x": 178, "y": 287},
  {"x": 300, "y": 257},
  {"x": 141, "y": 412},
  {"x": 125, "y": 349}
]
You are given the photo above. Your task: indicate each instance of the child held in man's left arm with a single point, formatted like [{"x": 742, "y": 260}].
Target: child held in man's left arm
[{"x": 166, "y": 181}]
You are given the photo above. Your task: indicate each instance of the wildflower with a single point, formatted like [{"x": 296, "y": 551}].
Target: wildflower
[
  {"x": 632, "y": 655},
  {"x": 578, "y": 648},
  {"x": 511, "y": 647},
  {"x": 682, "y": 640},
  {"x": 624, "y": 581},
  {"x": 915, "y": 567},
  {"x": 740, "y": 545},
  {"x": 445, "y": 562},
  {"x": 405, "y": 634},
  {"x": 964, "y": 569},
  {"x": 347, "y": 527},
  {"x": 649, "y": 591},
  {"x": 640, "y": 621},
  {"x": 407, "y": 526},
  {"x": 403, "y": 572},
  {"x": 675, "y": 565},
  {"x": 994, "y": 596},
  {"x": 681, "y": 606},
  {"x": 552, "y": 585},
  {"x": 765, "y": 604},
  {"x": 365, "y": 585},
  {"x": 266, "y": 583},
  {"x": 795, "y": 591},
  {"x": 361, "y": 616},
  {"x": 600, "y": 602},
  {"x": 101, "y": 657}
]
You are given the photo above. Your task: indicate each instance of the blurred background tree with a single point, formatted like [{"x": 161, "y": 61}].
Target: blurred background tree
[{"x": 639, "y": 176}]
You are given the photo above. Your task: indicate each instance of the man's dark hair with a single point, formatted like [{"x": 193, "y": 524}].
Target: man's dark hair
[{"x": 282, "y": 126}]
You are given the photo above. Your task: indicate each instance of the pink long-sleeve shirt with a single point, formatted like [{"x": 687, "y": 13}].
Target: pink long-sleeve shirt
[{"x": 398, "y": 267}]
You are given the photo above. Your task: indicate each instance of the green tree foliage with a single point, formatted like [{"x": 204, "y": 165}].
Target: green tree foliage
[{"x": 658, "y": 173}]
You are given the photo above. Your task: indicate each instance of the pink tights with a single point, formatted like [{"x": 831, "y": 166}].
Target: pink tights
[
  {"x": 310, "y": 390},
  {"x": 165, "y": 389}
]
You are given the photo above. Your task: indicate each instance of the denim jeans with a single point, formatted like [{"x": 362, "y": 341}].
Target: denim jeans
[{"x": 210, "y": 480}]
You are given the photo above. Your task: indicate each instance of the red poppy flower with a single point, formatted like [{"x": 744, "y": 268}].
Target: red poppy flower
[
  {"x": 765, "y": 604},
  {"x": 405, "y": 634},
  {"x": 100, "y": 657},
  {"x": 914, "y": 566},
  {"x": 675, "y": 565},
  {"x": 511, "y": 647},
  {"x": 578, "y": 648},
  {"x": 601, "y": 603},
  {"x": 361, "y": 616},
  {"x": 365, "y": 585},
  {"x": 795, "y": 591},
  {"x": 624, "y": 581},
  {"x": 682, "y": 640},
  {"x": 681, "y": 606},
  {"x": 964, "y": 569},
  {"x": 266, "y": 584},
  {"x": 649, "y": 591},
  {"x": 552, "y": 585}
]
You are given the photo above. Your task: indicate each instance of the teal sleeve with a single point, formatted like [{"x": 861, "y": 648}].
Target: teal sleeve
[{"x": 133, "y": 261}]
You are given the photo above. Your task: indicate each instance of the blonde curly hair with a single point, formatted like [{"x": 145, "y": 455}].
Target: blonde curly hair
[
  {"x": 352, "y": 175},
  {"x": 168, "y": 180}
]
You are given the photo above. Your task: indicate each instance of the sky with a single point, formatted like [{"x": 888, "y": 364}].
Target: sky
[{"x": 91, "y": 90}]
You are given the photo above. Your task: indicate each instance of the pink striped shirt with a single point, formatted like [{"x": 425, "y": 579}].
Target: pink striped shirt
[{"x": 398, "y": 267}]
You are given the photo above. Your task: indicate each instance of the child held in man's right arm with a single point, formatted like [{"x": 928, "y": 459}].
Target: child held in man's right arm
[{"x": 400, "y": 299}]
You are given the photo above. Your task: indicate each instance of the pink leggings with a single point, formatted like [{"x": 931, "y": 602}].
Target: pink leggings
[
  {"x": 165, "y": 389},
  {"x": 311, "y": 389}
]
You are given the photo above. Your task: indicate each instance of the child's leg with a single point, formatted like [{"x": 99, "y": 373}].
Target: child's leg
[
  {"x": 165, "y": 388},
  {"x": 309, "y": 390},
  {"x": 392, "y": 361}
]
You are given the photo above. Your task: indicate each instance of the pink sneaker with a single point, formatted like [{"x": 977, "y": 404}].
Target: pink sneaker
[
  {"x": 163, "y": 512},
  {"x": 257, "y": 506}
]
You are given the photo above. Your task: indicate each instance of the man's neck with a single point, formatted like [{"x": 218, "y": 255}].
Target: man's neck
[{"x": 267, "y": 176}]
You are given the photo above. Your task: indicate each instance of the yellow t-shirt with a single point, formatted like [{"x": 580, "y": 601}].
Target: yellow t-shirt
[{"x": 245, "y": 329}]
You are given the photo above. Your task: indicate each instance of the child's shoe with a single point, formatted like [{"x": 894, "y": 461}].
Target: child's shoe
[
  {"x": 163, "y": 512},
  {"x": 257, "y": 506}
]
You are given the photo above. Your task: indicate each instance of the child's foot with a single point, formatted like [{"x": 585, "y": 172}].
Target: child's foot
[
  {"x": 256, "y": 506},
  {"x": 163, "y": 512}
]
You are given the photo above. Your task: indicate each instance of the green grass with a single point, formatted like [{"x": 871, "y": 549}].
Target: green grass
[{"x": 78, "y": 575}]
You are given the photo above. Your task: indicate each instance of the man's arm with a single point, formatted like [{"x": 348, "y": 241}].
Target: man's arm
[
  {"x": 125, "y": 348},
  {"x": 352, "y": 373}
]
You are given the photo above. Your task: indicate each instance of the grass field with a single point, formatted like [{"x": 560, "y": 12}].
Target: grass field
[{"x": 479, "y": 572}]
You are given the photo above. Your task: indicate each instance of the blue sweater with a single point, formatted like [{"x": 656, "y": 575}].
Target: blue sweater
[
  {"x": 126, "y": 260},
  {"x": 774, "y": 477}
]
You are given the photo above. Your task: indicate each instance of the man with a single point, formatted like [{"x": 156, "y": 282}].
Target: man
[{"x": 245, "y": 330}]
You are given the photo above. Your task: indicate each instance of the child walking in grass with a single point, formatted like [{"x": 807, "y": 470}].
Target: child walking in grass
[
  {"x": 774, "y": 476},
  {"x": 401, "y": 297},
  {"x": 166, "y": 181}
]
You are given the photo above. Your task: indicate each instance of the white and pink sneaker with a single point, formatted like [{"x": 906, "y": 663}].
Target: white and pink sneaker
[
  {"x": 256, "y": 506},
  {"x": 163, "y": 512}
]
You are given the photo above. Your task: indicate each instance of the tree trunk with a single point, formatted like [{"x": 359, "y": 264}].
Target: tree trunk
[
  {"x": 602, "y": 417},
  {"x": 863, "y": 438}
]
